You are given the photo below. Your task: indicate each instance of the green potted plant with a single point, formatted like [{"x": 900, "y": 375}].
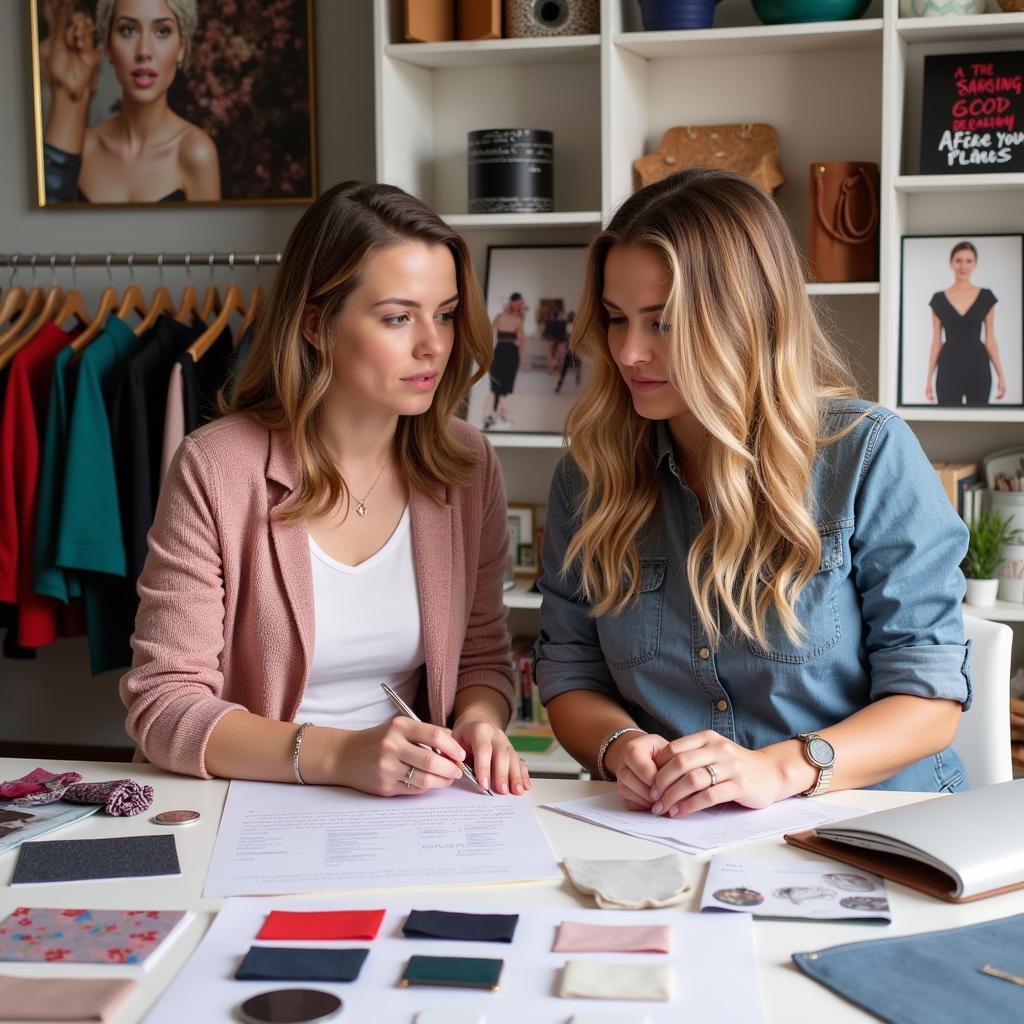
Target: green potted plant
[{"x": 989, "y": 534}]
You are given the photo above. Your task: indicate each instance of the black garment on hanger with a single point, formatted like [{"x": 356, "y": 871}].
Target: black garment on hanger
[
  {"x": 137, "y": 425},
  {"x": 202, "y": 381}
]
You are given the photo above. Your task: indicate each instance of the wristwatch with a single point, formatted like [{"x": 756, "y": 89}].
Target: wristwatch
[{"x": 822, "y": 755}]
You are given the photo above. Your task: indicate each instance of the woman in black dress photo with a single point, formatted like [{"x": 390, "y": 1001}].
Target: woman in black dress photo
[
  {"x": 509, "y": 344},
  {"x": 964, "y": 348}
]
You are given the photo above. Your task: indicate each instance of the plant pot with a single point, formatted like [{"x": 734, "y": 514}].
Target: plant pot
[
  {"x": 667, "y": 15},
  {"x": 1011, "y": 590},
  {"x": 940, "y": 8},
  {"x": 788, "y": 12},
  {"x": 982, "y": 593}
]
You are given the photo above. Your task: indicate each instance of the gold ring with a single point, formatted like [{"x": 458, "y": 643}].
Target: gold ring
[
  {"x": 713, "y": 774},
  {"x": 408, "y": 777}
]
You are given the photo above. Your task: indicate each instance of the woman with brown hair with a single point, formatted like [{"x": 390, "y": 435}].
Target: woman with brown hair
[
  {"x": 752, "y": 585},
  {"x": 337, "y": 529}
]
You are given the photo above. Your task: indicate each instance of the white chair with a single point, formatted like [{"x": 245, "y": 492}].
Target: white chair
[{"x": 983, "y": 736}]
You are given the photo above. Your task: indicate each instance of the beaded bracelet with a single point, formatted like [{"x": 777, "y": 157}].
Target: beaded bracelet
[
  {"x": 295, "y": 753},
  {"x": 608, "y": 741}
]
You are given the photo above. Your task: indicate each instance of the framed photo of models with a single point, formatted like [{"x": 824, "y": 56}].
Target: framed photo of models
[
  {"x": 532, "y": 297},
  {"x": 962, "y": 321},
  {"x": 222, "y": 94}
]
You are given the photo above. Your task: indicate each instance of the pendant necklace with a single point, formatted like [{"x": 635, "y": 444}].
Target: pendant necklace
[{"x": 361, "y": 502}]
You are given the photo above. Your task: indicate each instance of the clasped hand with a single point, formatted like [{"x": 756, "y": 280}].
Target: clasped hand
[
  {"x": 404, "y": 757},
  {"x": 672, "y": 778}
]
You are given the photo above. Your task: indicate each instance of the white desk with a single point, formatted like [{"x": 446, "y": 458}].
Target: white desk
[{"x": 788, "y": 995}]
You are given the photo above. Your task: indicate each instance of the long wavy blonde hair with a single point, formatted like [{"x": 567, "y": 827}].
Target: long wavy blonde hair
[
  {"x": 756, "y": 371},
  {"x": 285, "y": 379}
]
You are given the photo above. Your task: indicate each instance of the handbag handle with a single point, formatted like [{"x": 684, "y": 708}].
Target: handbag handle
[{"x": 844, "y": 230}]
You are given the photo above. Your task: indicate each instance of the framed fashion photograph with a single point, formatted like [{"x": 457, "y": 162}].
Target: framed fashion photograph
[
  {"x": 520, "y": 536},
  {"x": 532, "y": 297},
  {"x": 173, "y": 101},
  {"x": 962, "y": 321},
  {"x": 526, "y": 560}
]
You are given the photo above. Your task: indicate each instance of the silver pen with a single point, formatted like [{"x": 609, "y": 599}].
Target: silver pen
[{"x": 409, "y": 713}]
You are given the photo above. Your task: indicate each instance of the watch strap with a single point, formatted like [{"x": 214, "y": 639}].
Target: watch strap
[{"x": 825, "y": 772}]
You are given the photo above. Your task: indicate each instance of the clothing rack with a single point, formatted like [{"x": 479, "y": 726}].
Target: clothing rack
[{"x": 41, "y": 261}]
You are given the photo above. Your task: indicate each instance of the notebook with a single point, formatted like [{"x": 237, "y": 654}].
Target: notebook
[
  {"x": 960, "y": 847},
  {"x": 113, "y": 938},
  {"x": 20, "y": 823}
]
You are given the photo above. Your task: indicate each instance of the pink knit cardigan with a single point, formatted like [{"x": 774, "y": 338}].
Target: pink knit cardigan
[{"x": 226, "y": 617}]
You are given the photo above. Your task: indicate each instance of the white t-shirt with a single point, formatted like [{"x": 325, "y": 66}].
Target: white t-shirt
[{"x": 368, "y": 631}]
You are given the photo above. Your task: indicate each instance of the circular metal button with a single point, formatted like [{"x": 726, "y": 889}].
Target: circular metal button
[
  {"x": 180, "y": 817},
  {"x": 722, "y": 705},
  {"x": 704, "y": 653}
]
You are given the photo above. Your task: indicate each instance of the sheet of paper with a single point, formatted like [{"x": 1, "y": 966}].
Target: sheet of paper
[
  {"x": 712, "y": 960},
  {"x": 817, "y": 889},
  {"x": 724, "y": 825},
  {"x": 290, "y": 839}
]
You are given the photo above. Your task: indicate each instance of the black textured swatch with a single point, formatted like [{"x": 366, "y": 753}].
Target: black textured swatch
[
  {"x": 443, "y": 924},
  {"x": 75, "y": 860}
]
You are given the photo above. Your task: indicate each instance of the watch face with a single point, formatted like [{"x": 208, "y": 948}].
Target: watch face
[{"x": 820, "y": 752}]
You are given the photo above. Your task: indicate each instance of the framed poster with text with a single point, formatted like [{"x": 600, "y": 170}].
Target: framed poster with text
[{"x": 972, "y": 121}]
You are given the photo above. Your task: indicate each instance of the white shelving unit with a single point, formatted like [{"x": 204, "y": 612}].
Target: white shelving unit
[{"x": 833, "y": 90}]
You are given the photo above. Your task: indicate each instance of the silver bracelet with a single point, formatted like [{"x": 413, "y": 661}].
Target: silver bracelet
[
  {"x": 295, "y": 753},
  {"x": 608, "y": 741}
]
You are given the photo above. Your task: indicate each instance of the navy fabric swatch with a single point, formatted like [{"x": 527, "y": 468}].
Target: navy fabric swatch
[
  {"x": 74, "y": 860},
  {"x": 283, "y": 963},
  {"x": 931, "y": 978},
  {"x": 442, "y": 924}
]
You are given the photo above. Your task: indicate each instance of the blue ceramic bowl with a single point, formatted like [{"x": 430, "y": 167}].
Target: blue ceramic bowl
[{"x": 788, "y": 12}]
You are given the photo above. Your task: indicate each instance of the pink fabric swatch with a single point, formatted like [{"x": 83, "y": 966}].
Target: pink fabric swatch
[
  {"x": 576, "y": 937},
  {"x": 63, "y": 998}
]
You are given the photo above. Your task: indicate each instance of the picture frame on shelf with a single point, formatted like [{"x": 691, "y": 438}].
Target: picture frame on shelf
[
  {"x": 961, "y": 320},
  {"x": 532, "y": 294},
  {"x": 237, "y": 87},
  {"x": 526, "y": 558},
  {"x": 520, "y": 537}
]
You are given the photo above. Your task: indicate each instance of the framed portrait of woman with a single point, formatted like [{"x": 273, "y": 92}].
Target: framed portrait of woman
[
  {"x": 962, "y": 321},
  {"x": 173, "y": 101}
]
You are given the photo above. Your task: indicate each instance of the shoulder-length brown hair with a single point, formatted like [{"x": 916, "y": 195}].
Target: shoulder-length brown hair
[{"x": 285, "y": 379}]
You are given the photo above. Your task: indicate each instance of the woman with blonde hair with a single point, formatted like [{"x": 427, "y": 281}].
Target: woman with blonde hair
[
  {"x": 752, "y": 585},
  {"x": 337, "y": 529},
  {"x": 145, "y": 153}
]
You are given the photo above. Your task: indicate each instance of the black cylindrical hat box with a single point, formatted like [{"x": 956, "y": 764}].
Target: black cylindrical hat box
[{"x": 511, "y": 170}]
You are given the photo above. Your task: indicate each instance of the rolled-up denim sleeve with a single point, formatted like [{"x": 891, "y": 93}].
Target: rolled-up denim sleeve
[
  {"x": 906, "y": 553},
  {"x": 567, "y": 654}
]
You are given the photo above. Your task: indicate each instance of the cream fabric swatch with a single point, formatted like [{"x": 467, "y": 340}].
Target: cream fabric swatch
[
  {"x": 613, "y": 1018},
  {"x": 63, "y": 999},
  {"x": 577, "y": 937},
  {"x": 594, "y": 979},
  {"x": 630, "y": 884}
]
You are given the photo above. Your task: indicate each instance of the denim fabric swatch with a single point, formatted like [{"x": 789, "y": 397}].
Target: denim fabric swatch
[
  {"x": 931, "y": 978},
  {"x": 286, "y": 963}
]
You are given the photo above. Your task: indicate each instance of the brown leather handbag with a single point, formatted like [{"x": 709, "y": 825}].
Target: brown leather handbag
[{"x": 842, "y": 232}]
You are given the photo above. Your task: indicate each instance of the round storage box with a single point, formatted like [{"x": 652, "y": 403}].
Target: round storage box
[{"x": 511, "y": 170}]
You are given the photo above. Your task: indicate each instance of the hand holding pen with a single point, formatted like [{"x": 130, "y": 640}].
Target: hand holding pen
[{"x": 408, "y": 712}]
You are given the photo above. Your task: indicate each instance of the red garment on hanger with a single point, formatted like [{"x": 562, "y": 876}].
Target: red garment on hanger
[{"x": 40, "y": 619}]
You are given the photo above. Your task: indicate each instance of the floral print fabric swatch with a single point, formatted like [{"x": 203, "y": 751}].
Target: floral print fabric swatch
[{"x": 35, "y": 935}]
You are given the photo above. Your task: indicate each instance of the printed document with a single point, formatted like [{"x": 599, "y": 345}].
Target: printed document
[
  {"x": 277, "y": 839},
  {"x": 723, "y": 825}
]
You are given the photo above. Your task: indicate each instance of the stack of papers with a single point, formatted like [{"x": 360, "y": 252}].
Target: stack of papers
[{"x": 701, "y": 831}]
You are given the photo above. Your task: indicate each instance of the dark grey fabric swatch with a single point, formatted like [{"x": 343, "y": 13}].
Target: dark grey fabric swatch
[
  {"x": 73, "y": 860},
  {"x": 443, "y": 924},
  {"x": 283, "y": 963}
]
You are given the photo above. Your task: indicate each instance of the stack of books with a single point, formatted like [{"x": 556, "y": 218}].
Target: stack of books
[{"x": 962, "y": 486}]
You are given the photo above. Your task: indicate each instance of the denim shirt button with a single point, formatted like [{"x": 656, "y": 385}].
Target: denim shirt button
[
  {"x": 704, "y": 653},
  {"x": 722, "y": 705}
]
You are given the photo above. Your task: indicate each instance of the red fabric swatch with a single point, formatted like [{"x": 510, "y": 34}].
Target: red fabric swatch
[{"x": 322, "y": 924}]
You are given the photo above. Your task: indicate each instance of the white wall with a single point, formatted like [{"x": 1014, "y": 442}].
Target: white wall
[{"x": 54, "y": 699}]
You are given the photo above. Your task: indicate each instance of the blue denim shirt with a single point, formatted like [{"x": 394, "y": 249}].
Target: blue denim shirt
[{"x": 882, "y": 614}]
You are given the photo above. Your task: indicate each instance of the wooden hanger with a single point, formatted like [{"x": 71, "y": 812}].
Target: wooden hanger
[
  {"x": 211, "y": 300},
  {"x": 108, "y": 303},
  {"x": 234, "y": 302},
  {"x": 255, "y": 304},
  {"x": 162, "y": 303},
  {"x": 74, "y": 304},
  {"x": 33, "y": 304},
  {"x": 14, "y": 298},
  {"x": 189, "y": 305}
]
